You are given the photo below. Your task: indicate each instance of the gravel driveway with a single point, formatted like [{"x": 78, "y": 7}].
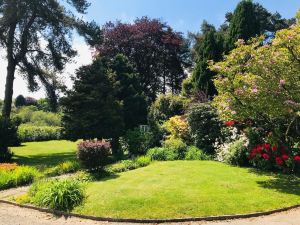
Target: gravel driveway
[{"x": 13, "y": 215}]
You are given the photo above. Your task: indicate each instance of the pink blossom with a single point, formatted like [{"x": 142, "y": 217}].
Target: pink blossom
[
  {"x": 254, "y": 89},
  {"x": 282, "y": 82}
]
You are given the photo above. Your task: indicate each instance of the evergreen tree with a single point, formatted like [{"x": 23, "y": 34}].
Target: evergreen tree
[
  {"x": 20, "y": 101},
  {"x": 91, "y": 109},
  {"x": 129, "y": 91}
]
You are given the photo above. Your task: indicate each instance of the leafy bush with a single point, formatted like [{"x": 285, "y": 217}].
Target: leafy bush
[
  {"x": 137, "y": 142},
  {"x": 177, "y": 127},
  {"x": 8, "y": 137},
  {"x": 29, "y": 133},
  {"x": 127, "y": 165},
  {"x": 93, "y": 154},
  {"x": 194, "y": 153},
  {"x": 167, "y": 106},
  {"x": 205, "y": 126},
  {"x": 63, "y": 168},
  {"x": 58, "y": 194},
  {"x": 32, "y": 115},
  {"x": 238, "y": 153},
  {"x": 21, "y": 175},
  {"x": 178, "y": 147},
  {"x": 161, "y": 154}
]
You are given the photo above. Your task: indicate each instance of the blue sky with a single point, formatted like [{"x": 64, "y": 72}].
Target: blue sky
[{"x": 182, "y": 15}]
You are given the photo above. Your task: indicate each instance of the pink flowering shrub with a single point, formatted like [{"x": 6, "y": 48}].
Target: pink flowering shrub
[
  {"x": 266, "y": 156},
  {"x": 93, "y": 154}
]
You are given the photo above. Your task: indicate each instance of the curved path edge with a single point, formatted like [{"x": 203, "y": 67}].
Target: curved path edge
[{"x": 191, "y": 219}]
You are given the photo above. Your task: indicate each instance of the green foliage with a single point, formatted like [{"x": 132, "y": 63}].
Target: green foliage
[
  {"x": 127, "y": 165},
  {"x": 261, "y": 90},
  {"x": 8, "y": 137},
  {"x": 161, "y": 154},
  {"x": 22, "y": 175},
  {"x": 137, "y": 142},
  {"x": 32, "y": 115},
  {"x": 20, "y": 101},
  {"x": 63, "y": 168},
  {"x": 177, "y": 128},
  {"x": 61, "y": 195},
  {"x": 205, "y": 126},
  {"x": 91, "y": 109},
  {"x": 238, "y": 153},
  {"x": 177, "y": 146},
  {"x": 27, "y": 133},
  {"x": 93, "y": 154},
  {"x": 194, "y": 153},
  {"x": 167, "y": 106},
  {"x": 129, "y": 91}
]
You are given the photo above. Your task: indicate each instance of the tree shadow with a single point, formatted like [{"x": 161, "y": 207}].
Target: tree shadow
[
  {"x": 284, "y": 183},
  {"x": 43, "y": 160}
]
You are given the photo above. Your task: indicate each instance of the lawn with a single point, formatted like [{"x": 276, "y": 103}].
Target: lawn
[
  {"x": 44, "y": 154},
  {"x": 188, "y": 189}
]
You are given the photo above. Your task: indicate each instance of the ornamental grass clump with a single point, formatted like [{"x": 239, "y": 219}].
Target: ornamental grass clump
[{"x": 94, "y": 154}]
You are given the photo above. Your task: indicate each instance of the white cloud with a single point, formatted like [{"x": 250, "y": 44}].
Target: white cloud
[{"x": 84, "y": 57}]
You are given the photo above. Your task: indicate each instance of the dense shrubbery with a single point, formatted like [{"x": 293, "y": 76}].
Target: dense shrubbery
[
  {"x": 94, "y": 154},
  {"x": 161, "y": 154},
  {"x": 205, "y": 126},
  {"x": 17, "y": 176},
  {"x": 27, "y": 133},
  {"x": 177, "y": 146},
  {"x": 58, "y": 194},
  {"x": 137, "y": 142},
  {"x": 177, "y": 127},
  {"x": 238, "y": 153},
  {"x": 194, "y": 153}
]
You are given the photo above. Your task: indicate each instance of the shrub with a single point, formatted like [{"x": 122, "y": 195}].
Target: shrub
[
  {"x": 238, "y": 153},
  {"x": 61, "y": 195},
  {"x": 8, "y": 137},
  {"x": 94, "y": 154},
  {"x": 127, "y": 165},
  {"x": 177, "y": 146},
  {"x": 21, "y": 175},
  {"x": 194, "y": 153},
  {"x": 167, "y": 106},
  {"x": 29, "y": 133},
  {"x": 177, "y": 127},
  {"x": 63, "y": 168},
  {"x": 205, "y": 126},
  {"x": 137, "y": 142},
  {"x": 161, "y": 154},
  {"x": 8, "y": 166}
]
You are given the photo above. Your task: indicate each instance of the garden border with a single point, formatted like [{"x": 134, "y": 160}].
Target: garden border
[{"x": 191, "y": 219}]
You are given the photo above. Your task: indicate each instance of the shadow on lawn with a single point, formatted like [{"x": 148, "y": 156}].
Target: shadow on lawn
[
  {"x": 44, "y": 160},
  {"x": 289, "y": 184}
]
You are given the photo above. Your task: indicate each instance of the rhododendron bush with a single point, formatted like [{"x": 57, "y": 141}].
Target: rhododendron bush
[{"x": 259, "y": 86}]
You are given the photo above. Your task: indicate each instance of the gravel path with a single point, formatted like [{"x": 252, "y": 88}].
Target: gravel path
[{"x": 13, "y": 215}]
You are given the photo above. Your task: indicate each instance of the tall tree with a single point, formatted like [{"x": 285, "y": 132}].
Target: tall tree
[
  {"x": 36, "y": 35},
  {"x": 129, "y": 91},
  {"x": 91, "y": 109},
  {"x": 158, "y": 54}
]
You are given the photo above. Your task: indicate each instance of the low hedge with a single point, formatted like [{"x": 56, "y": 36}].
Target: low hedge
[{"x": 28, "y": 133}]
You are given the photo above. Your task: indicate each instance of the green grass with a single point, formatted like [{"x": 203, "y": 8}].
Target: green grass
[
  {"x": 188, "y": 189},
  {"x": 44, "y": 154}
]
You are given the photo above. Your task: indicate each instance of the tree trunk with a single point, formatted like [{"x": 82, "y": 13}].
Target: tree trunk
[
  {"x": 10, "y": 76},
  {"x": 116, "y": 148}
]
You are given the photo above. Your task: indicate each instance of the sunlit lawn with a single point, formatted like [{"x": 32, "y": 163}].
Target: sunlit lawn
[
  {"x": 188, "y": 189},
  {"x": 45, "y": 154}
]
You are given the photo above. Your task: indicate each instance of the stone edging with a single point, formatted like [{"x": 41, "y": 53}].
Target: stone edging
[{"x": 103, "y": 219}]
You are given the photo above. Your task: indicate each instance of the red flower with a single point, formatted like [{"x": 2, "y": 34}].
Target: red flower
[
  {"x": 274, "y": 148},
  {"x": 266, "y": 156},
  {"x": 283, "y": 152},
  {"x": 259, "y": 148},
  {"x": 297, "y": 158},
  {"x": 267, "y": 147},
  {"x": 285, "y": 157},
  {"x": 279, "y": 161},
  {"x": 229, "y": 123}
]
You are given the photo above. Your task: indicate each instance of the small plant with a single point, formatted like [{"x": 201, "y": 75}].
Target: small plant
[
  {"x": 194, "y": 153},
  {"x": 177, "y": 146},
  {"x": 61, "y": 195},
  {"x": 143, "y": 161},
  {"x": 127, "y": 165},
  {"x": 63, "y": 168},
  {"x": 94, "y": 154},
  {"x": 238, "y": 153},
  {"x": 8, "y": 166},
  {"x": 161, "y": 154}
]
